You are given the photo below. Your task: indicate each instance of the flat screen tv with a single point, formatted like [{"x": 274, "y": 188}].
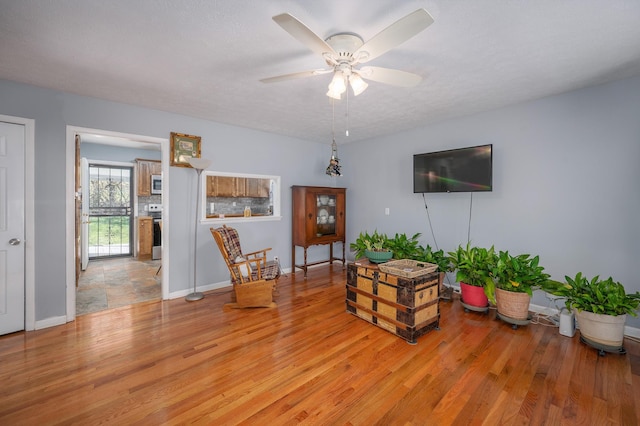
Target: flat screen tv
[{"x": 456, "y": 170}]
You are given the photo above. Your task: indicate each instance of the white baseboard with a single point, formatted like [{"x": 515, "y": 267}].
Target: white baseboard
[
  {"x": 50, "y": 322},
  {"x": 215, "y": 286},
  {"x": 632, "y": 332},
  {"x": 539, "y": 309}
]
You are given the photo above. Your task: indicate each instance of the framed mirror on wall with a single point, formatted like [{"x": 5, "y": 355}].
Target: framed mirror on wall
[{"x": 231, "y": 197}]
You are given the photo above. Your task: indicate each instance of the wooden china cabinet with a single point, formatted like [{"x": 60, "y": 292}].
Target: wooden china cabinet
[{"x": 318, "y": 218}]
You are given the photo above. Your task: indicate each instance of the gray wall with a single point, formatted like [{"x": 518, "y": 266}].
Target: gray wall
[
  {"x": 566, "y": 176},
  {"x": 232, "y": 149},
  {"x": 565, "y": 182}
]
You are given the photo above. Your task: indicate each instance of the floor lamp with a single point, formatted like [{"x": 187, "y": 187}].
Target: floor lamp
[{"x": 199, "y": 164}]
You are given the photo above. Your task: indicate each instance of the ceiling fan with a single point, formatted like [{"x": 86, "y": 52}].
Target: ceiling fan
[{"x": 343, "y": 52}]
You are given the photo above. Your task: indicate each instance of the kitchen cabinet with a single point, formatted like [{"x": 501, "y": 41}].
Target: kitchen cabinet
[
  {"x": 145, "y": 237},
  {"x": 225, "y": 186},
  {"x": 318, "y": 217},
  {"x": 230, "y": 186},
  {"x": 146, "y": 169},
  {"x": 256, "y": 187}
]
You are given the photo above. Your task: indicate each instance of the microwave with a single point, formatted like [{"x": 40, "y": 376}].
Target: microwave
[{"x": 156, "y": 184}]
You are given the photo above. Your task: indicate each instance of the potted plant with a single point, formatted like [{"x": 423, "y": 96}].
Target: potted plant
[
  {"x": 374, "y": 247},
  {"x": 473, "y": 271},
  {"x": 601, "y": 308},
  {"x": 514, "y": 279},
  {"x": 404, "y": 247},
  {"x": 438, "y": 257}
]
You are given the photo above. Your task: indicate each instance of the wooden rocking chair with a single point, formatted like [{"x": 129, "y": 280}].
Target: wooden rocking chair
[{"x": 252, "y": 276}]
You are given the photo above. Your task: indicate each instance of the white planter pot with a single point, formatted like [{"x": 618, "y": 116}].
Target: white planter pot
[{"x": 603, "y": 329}]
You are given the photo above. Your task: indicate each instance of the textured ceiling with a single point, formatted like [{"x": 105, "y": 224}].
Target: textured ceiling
[{"x": 204, "y": 58}]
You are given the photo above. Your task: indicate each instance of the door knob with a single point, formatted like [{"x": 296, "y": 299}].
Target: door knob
[{"x": 14, "y": 241}]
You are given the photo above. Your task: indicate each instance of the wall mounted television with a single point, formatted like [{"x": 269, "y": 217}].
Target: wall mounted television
[{"x": 456, "y": 170}]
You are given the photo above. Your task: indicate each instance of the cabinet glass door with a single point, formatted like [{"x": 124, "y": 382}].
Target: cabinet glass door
[{"x": 325, "y": 214}]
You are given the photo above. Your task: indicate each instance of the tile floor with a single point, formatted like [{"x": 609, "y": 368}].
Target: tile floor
[{"x": 115, "y": 282}]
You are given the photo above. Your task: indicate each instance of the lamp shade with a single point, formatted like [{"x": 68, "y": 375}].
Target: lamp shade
[{"x": 199, "y": 163}]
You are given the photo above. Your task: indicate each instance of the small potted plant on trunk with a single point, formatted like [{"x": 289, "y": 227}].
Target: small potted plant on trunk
[
  {"x": 473, "y": 271},
  {"x": 374, "y": 247},
  {"x": 601, "y": 308}
]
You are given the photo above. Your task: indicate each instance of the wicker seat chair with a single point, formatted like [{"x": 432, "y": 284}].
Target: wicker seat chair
[{"x": 252, "y": 276}]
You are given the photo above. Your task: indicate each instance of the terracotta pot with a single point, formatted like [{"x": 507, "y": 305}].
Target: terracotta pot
[
  {"x": 474, "y": 296},
  {"x": 512, "y": 304},
  {"x": 603, "y": 329}
]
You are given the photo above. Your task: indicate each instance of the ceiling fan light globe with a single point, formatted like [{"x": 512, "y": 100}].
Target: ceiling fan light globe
[
  {"x": 357, "y": 84},
  {"x": 333, "y": 95},
  {"x": 338, "y": 84}
]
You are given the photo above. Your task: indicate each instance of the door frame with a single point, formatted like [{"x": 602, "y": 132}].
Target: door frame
[
  {"x": 70, "y": 246},
  {"x": 29, "y": 219}
]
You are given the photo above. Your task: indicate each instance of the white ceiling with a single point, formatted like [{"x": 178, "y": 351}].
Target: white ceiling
[{"x": 204, "y": 58}]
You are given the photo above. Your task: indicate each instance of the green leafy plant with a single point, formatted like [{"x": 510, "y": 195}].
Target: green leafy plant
[
  {"x": 404, "y": 247},
  {"x": 473, "y": 265},
  {"x": 606, "y": 297},
  {"x": 521, "y": 273},
  {"x": 427, "y": 254},
  {"x": 370, "y": 242}
]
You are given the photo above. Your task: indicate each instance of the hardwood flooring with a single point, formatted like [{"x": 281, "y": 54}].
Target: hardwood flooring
[{"x": 307, "y": 361}]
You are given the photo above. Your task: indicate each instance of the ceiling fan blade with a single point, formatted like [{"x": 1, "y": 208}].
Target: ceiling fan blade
[
  {"x": 389, "y": 76},
  {"x": 301, "y": 74},
  {"x": 394, "y": 35},
  {"x": 302, "y": 33}
]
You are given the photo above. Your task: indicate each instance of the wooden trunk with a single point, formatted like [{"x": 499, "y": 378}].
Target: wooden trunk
[{"x": 407, "y": 307}]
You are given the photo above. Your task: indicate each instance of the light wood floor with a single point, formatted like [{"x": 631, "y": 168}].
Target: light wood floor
[{"x": 307, "y": 361}]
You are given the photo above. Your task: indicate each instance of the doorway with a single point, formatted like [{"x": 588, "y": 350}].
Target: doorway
[{"x": 108, "y": 212}]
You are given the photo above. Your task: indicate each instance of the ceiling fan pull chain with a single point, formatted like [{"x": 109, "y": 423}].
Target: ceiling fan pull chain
[
  {"x": 347, "y": 132},
  {"x": 333, "y": 119}
]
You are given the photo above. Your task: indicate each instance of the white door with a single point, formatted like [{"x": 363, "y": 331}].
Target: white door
[
  {"x": 84, "y": 226},
  {"x": 12, "y": 253}
]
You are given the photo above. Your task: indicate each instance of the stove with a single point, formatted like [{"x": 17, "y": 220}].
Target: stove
[{"x": 155, "y": 211}]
